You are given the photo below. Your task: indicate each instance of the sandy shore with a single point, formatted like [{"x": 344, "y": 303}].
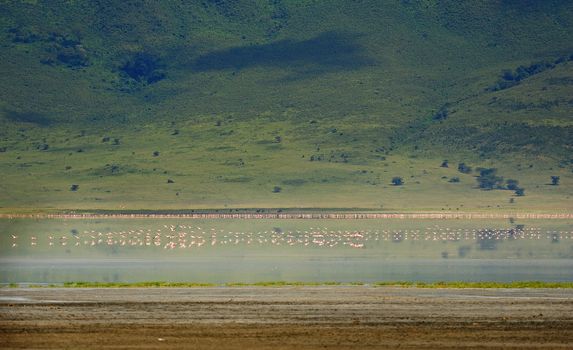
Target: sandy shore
[{"x": 286, "y": 318}]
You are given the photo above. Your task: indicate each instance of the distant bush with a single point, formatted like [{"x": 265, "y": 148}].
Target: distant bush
[
  {"x": 397, "y": 181},
  {"x": 555, "y": 180},
  {"x": 444, "y": 164},
  {"x": 511, "y": 78},
  {"x": 73, "y": 57},
  {"x": 74, "y": 188},
  {"x": 464, "y": 169},
  {"x": 512, "y": 184},
  {"x": 454, "y": 179},
  {"x": 487, "y": 179},
  {"x": 144, "y": 67},
  {"x": 277, "y": 189},
  {"x": 442, "y": 113},
  {"x": 24, "y": 35},
  {"x": 68, "y": 50},
  {"x": 520, "y": 192}
]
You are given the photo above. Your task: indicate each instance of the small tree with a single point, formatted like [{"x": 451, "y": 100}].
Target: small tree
[
  {"x": 520, "y": 192},
  {"x": 74, "y": 188},
  {"x": 397, "y": 181},
  {"x": 444, "y": 164},
  {"x": 487, "y": 179},
  {"x": 555, "y": 180},
  {"x": 512, "y": 184},
  {"x": 464, "y": 169},
  {"x": 442, "y": 113}
]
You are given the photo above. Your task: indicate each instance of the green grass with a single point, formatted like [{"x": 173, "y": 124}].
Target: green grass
[
  {"x": 287, "y": 284},
  {"x": 354, "y": 84},
  {"x": 402, "y": 284},
  {"x": 517, "y": 284},
  {"x": 135, "y": 285}
]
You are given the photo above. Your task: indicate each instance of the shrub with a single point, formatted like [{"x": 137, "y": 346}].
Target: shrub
[
  {"x": 444, "y": 164},
  {"x": 464, "y": 169},
  {"x": 512, "y": 184},
  {"x": 454, "y": 179},
  {"x": 509, "y": 78},
  {"x": 442, "y": 113},
  {"x": 73, "y": 57},
  {"x": 144, "y": 67},
  {"x": 397, "y": 181},
  {"x": 555, "y": 180},
  {"x": 487, "y": 179},
  {"x": 520, "y": 192},
  {"x": 74, "y": 188},
  {"x": 277, "y": 189},
  {"x": 507, "y": 74}
]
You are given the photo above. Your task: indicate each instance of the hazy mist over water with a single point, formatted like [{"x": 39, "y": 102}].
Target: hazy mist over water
[{"x": 227, "y": 251}]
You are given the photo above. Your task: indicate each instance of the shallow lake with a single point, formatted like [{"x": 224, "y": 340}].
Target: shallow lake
[{"x": 240, "y": 250}]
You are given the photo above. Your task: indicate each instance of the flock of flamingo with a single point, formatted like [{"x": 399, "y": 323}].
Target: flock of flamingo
[{"x": 187, "y": 237}]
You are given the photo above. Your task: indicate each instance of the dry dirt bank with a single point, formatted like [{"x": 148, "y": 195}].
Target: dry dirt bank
[{"x": 286, "y": 318}]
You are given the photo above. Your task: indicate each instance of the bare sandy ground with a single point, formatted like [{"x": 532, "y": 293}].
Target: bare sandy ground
[{"x": 286, "y": 318}]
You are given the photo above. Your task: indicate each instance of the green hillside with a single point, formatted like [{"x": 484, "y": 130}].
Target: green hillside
[{"x": 282, "y": 103}]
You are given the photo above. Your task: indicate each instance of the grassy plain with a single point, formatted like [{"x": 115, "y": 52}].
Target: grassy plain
[{"x": 232, "y": 99}]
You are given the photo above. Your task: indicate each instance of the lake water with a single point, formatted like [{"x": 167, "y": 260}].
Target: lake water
[{"x": 229, "y": 250}]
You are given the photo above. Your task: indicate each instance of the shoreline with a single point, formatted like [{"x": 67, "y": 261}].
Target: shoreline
[
  {"x": 286, "y": 318},
  {"x": 281, "y": 214},
  {"x": 280, "y": 284}
]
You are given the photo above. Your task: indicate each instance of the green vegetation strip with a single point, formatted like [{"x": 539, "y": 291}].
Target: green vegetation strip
[
  {"x": 454, "y": 284},
  {"x": 404, "y": 284}
]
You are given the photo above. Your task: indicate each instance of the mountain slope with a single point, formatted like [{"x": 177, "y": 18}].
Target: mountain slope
[{"x": 327, "y": 100}]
